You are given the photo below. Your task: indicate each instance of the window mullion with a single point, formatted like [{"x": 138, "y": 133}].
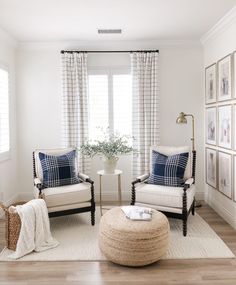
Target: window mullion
[{"x": 110, "y": 102}]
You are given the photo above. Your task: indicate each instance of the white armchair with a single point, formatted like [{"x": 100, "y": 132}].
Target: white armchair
[
  {"x": 64, "y": 200},
  {"x": 176, "y": 202}
]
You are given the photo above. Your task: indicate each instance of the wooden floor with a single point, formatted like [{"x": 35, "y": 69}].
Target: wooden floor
[{"x": 198, "y": 271}]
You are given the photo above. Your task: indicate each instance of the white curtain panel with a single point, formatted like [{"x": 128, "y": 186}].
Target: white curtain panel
[
  {"x": 75, "y": 104},
  {"x": 146, "y": 129}
]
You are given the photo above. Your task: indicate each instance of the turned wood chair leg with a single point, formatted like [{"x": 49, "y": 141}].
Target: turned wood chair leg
[
  {"x": 184, "y": 227},
  {"x": 92, "y": 218},
  {"x": 193, "y": 208}
]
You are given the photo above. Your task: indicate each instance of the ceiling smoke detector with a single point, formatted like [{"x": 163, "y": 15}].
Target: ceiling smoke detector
[{"x": 109, "y": 31}]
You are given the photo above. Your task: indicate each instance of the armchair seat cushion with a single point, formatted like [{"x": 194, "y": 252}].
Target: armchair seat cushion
[
  {"x": 164, "y": 196},
  {"x": 66, "y": 195}
]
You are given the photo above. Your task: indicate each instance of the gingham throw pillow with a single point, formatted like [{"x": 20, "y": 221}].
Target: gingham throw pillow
[
  {"x": 59, "y": 170},
  {"x": 168, "y": 170}
]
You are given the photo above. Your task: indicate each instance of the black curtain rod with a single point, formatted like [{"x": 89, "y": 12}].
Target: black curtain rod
[{"x": 107, "y": 51}]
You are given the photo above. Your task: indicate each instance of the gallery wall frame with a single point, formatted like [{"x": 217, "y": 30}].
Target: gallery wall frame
[
  {"x": 224, "y": 78},
  {"x": 210, "y": 84},
  {"x": 234, "y": 127},
  {"x": 225, "y": 173},
  {"x": 234, "y": 75},
  {"x": 211, "y": 125},
  {"x": 220, "y": 136},
  {"x": 225, "y": 126},
  {"x": 234, "y": 177},
  {"x": 211, "y": 159}
]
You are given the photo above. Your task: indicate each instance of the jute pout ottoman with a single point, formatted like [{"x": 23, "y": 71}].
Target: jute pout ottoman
[{"x": 133, "y": 243}]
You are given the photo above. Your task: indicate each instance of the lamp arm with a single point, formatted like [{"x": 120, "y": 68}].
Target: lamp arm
[{"x": 193, "y": 133}]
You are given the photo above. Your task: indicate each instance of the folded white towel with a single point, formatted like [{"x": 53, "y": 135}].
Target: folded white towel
[{"x": 35, "y": 234}]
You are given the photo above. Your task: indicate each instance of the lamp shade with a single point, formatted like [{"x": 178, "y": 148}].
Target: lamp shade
[{"x": 181, "y": 119}]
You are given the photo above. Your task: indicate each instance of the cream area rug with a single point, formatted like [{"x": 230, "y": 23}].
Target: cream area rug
[{"x": 79, "y": 241}]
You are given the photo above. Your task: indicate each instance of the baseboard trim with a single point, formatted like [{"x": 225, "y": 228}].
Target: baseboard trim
[
  {"x": 222, "y": 211},
  {"x": 200, "y": 196},
  {"x": 111, "y": 196}
]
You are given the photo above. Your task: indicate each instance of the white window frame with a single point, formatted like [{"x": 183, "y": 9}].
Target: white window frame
[
  {"x": 6, "y": 155},
  {"x": 110, "y": 71}
]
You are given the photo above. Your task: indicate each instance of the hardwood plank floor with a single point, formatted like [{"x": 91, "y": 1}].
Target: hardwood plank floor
[{"x": 194, "y": 271}]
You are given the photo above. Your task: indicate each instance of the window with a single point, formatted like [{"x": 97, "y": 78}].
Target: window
[
  {"x": 110, "y": 102},
  {"x": 4, "y": 114}
]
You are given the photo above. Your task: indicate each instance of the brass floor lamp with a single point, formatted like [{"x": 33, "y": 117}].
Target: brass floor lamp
[{"x": 182, "y": 119}]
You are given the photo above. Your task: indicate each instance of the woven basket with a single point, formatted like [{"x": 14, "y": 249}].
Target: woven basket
[{"x": 13, "y": 226}]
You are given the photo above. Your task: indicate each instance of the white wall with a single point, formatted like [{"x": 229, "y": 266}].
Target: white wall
[
  {"x": 219, "y": 42},
  {"x": 39, "y": 102},
  {"x": 181, "y": 82},
  {"x": 8, "y": 168}
]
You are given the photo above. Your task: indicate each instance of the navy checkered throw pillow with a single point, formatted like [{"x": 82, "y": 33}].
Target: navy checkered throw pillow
[
  {"x": 59, "y": 170},
  {"x": 168, "y": 170}
]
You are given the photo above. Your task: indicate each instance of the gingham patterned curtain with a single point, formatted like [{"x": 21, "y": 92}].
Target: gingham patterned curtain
[
  {"x": 146, "y": 129},
  {"x": 75, "y": 104}
]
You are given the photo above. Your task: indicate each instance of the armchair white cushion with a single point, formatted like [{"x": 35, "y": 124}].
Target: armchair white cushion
[
  {"x": 65, "y": 195},
  {"x": 164, "y": 198},
  {"x": 67, "y": 199}
]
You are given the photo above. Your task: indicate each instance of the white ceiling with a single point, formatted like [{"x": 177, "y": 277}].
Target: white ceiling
[{"x": 58, "y": 20}]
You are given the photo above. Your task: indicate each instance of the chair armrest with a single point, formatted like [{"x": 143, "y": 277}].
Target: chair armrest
[
  {"x": 37, "y": 182},
  {"x": 140, "y": 178},
  {"x": 85, "y": 178},
  {"x": 188, "y": 183},
  {"x": 143, "y": 177}
]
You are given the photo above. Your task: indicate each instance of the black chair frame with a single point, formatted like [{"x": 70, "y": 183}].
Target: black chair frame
[
  {"x": 185, "y": 212},
  {"x": 91, "y": 208}
]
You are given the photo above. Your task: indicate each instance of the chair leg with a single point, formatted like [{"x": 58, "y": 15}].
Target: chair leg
[
  {"x": 185, "y": 212},
  {"x": 193, "y": 208},
  {"x": 184, "y": 227},
  {"x": 92, "y": 218}
]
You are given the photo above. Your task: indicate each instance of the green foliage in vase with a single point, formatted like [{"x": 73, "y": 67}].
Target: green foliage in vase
[{"x": 111, "y": 146}]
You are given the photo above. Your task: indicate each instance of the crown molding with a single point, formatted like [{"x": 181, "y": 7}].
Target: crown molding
[
  {"x": 100, "y": 45},
  {"x": 7, "y": 39},
  {"x": 220, "y": 26}
]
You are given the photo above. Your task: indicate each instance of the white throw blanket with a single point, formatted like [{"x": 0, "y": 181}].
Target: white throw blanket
[{"x": 35, "y": 234}]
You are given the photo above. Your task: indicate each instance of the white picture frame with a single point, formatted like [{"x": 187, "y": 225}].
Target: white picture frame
[
  {"x": 211, "y": 127},
  {"x": 211, "y": 167},
  {"x": 225, "y": 126},
  {"x": 225, "y": 173},
  {"x": 234, "y": 178},
  {"x": 210, "y": 84},
  {"x": 234, "y": 85},
  {"x": 224, "y": 79},
  {"x": 234, "y": 126}
]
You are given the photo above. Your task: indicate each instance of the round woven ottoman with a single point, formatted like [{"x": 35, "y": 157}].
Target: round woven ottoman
[{"x": 133, "y": 243}]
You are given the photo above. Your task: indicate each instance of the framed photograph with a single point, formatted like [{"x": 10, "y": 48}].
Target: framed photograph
[
  {"x": 211, "y": 171},
  {"x": 225, "y": 175},
  {"x": 225, "y": 126},
  {"x": 210, "y": 84},
  {"x": 234, "y": 85},
  {"x": 211, "y": 125},
  {"x": 234, "y": 126},
  {"x": 224, "y": 78}
]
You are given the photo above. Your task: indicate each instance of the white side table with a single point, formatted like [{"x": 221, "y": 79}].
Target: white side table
[{"x": 116, "y": 173}]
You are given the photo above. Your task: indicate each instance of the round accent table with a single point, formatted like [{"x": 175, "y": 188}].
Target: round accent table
[
  {"x": 133, "y": 243},
  {"x": 117, "y": 173}
]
